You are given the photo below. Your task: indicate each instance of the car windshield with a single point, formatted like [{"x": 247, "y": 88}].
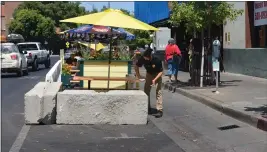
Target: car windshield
[
  {"x": 27, "y": 47},
  {"x": 6, "y": 49}
]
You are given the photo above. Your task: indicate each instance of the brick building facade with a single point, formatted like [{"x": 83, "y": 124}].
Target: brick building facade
[{"x": 7, "y": 10}]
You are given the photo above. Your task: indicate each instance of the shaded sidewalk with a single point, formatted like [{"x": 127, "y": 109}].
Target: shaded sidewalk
[{"x": 242, "y": 97}]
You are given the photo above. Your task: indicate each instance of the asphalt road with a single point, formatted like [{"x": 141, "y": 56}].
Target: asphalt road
[
  {"x": 12, "y": 102},
  {"x": 187, "y": 126}
]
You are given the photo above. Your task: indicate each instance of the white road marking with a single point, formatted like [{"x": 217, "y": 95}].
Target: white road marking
[
  {"x": 260, "y": 98},
  {"x": 20, "y": 139},
  {"x": 123, "y": 136},
  {"x": 30, "y": 77}
]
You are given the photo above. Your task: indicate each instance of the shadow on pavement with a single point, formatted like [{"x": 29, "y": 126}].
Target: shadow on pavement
[
  {"x": 13, "y": 75},
  {"x": 261, "y": 109},
  {"x": 189, "y": 85}
]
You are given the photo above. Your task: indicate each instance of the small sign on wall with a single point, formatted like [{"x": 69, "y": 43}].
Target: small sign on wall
[
  {"x": 225, "y": 36},
  {"x": 228, "y": 38},
  {"x": 260, "y": 13}
]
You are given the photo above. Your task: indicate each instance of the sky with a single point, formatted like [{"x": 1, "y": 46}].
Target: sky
[{"x": 116, "y": 5}]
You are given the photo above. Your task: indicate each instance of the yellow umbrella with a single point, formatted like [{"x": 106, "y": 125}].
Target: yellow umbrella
[
  {"x": 113, "y": 18},
  {"x": 98, "y": 46}
]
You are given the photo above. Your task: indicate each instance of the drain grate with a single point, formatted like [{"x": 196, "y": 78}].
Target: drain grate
[{"x": 228, "y": 127}]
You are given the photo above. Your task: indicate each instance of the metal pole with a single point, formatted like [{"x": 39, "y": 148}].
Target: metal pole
[
  {"x": 110, "y": 54},
  {"x": 202, "y": 59},
  {"x": 217, "y": 81}
]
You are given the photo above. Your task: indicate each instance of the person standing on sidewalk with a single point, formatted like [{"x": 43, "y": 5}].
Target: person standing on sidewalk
[
  {"x": 173, "y": 58},
  {"x": 154, "y": 73}
]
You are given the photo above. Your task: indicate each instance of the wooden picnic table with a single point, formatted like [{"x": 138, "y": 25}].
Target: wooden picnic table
[{"x": 97, "y": 78}]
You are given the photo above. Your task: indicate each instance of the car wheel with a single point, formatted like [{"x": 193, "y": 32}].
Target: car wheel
[
  {"x": 20, "y": 71},
  {"x": 47, "y": 63},
  {"x": 35, "y": 65},
  {"x": 26, "y": 72}
]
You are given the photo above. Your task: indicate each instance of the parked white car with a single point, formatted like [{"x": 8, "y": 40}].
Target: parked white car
[
  {"x": 13, "y": 60},
  {"x": 36, "y": 54}
]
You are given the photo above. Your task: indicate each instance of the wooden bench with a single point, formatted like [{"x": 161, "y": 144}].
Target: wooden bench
[
  {"x": 89, "y": 79},
  {"x": 74, "y": 71}
]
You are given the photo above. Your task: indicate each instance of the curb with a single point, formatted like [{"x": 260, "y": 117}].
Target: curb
[{"x": 260, "y": 123}]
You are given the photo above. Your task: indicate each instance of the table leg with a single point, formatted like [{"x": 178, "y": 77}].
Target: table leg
[{"x": 89, "y": 84}]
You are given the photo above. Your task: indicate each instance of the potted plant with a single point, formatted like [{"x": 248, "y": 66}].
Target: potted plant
[{"x": 66, "y": 75}]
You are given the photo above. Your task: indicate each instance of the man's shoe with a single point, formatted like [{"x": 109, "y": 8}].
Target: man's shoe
[
  {"x": 149, "y": 111},
  {"x": 159, "y": 114}
]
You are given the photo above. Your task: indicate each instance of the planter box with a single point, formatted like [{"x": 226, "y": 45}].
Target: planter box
[
  {"x": 65, "y": 79},
  {"x": 99, "y": 68}
]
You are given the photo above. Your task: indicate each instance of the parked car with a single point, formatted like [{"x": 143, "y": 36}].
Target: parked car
[
  {"x": 36, "y": 54},
  {"x": 15, "y": 38},
  {"x": 13, "y": 60}
]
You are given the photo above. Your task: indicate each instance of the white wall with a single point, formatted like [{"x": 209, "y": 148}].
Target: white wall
[
  {"x": 54, "y": 73},
  {"x": 236, "y": 29}
]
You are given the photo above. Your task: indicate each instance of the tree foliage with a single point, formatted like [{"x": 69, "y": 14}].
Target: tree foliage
[
  {"x": 198, "y": 15},
  {"x": 57, "y": 10},
  {"x": 32, "y": 25}
]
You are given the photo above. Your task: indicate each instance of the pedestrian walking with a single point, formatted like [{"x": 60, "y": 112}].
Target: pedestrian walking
[
  {"x": 153, "y": 77},
  {"x": 173, "y": 58}
]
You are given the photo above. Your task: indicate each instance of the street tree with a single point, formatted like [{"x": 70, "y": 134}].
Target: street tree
[
  {"x": 32, "y": 25},
  {"x": 94, "y": 10},
  {"x": 104, "y": 8},
  {"x": 57, "y": 10},
  {"x": 200, "y": 15}
]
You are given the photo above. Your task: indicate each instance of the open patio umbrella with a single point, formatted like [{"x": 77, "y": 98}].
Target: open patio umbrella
[
  {"x": 96, "y": 29},
  {"x": 129, "y": 36},
  {"x": 112, "y": 18}
]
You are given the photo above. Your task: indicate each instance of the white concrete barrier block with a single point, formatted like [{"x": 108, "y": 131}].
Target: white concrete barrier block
[
  {"x": 33, "y": 102},
  {"x": 112, "y": 107},
  {"x": 40, "y": 103},
  {"x": 49, "y": 103}
]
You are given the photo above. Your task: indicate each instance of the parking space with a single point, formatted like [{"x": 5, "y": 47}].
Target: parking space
[{"x": 98, "y": 138}]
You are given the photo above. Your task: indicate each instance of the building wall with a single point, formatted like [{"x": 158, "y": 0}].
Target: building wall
[
  {"x": 236, "y": 29},
  {"x": 150, "y": 12},
  {"x": 244, "y": 53},
  {"x": 248, "y": 61},
  {"x": 3, "y": 25},
  {"x": 8, "y": 10}
]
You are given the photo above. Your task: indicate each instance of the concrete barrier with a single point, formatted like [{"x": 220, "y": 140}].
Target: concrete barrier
[
  {"x": 40, "y": 103},
  {"x": 54, "y": 73},
  {"x": 112, "y": 107}
]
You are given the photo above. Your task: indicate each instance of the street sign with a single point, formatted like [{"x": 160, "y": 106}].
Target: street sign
[
  {"x": 67, "y": 44},
  {"x": 215, "y": 65}
]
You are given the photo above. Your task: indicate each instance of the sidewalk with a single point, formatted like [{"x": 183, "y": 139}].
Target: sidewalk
[{"x": 241, "y": 97}]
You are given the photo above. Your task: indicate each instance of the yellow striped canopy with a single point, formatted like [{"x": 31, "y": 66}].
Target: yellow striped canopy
[{"x": 98, "y": 46}]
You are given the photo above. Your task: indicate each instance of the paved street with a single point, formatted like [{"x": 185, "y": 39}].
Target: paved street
[
  {"x": 187, "y": 126},
  {"x": 12, "y": 102},
  {"x": 242, "y": 97}
]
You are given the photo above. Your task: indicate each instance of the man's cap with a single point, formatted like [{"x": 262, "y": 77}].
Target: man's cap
[{"x": 171, "y": 40}]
